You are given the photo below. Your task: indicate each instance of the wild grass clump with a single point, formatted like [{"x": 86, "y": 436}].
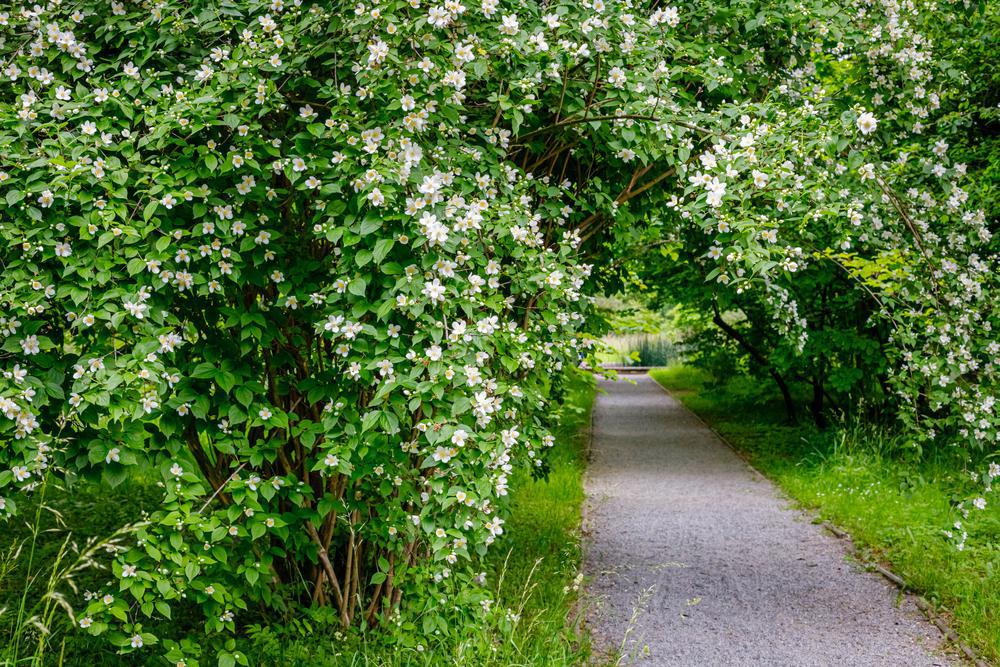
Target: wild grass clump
[{"x": 41, "y": 568}]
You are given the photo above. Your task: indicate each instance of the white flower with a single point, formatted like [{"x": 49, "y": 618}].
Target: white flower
[
  {"x": 866, "y": 123},
  {"x": 30, "y": 345},
  {"x": 616, "y": 77},
  {"x": 137, "y": 310},
  {"x": 21, "y": 473},
  {"x": 136, "y": 641},
  {"x": 444, "y": 454},
  {"x": 434, "y": 290},
  {"x": 510, "y": 25}
]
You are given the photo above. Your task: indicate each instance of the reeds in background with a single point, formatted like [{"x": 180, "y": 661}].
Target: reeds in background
[{"x": 642, "y": 349}]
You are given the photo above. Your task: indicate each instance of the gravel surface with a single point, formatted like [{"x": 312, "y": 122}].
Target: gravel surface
[{"x": 695, "y": 559}]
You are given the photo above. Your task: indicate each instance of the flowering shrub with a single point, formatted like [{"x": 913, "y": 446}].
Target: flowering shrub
[
  {"x": 839, "y": 187},
  {"x": 318, "y": 266},
  {"x": 276, "y": 254}
]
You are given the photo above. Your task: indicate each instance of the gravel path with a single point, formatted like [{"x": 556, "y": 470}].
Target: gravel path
[{"x": 694, "y": 559}]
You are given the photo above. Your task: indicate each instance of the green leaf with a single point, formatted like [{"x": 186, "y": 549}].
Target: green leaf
[
  {"x": 13, "y": 197},
  {"x": 163, "y": 608},
  {"x": 363, "y": 257},
  {"x": 370, "y": 419},
  {"x": 135, "y": 266},
  {"x": 150, "y": 209},
  {"x": 370, "y": 225},
  {"x": 226, "y": 380},
  {"x": 382, "y": 249},
  {"x": 204, "y": 370},
  {"x": 244, "y": 395},
  {"x": 357, "y": 287}
]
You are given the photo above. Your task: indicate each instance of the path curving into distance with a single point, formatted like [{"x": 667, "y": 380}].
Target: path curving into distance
[{"x": 702, "y": 562}]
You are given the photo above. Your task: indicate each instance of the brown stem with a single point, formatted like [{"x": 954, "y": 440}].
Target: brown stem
[
  {"x": 576, "y": 121},
  {"x": 356, "y": 582},
  {"x": 349, "y": 569},
  {"x": 328, "y": 568},
  {"x": 626, "y": 194},
  {"x": 318, "y": 596}
]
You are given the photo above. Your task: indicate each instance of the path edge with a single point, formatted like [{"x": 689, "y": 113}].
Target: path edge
[{"x": 584, "y": 603}]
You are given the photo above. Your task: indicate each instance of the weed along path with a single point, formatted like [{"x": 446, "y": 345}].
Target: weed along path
[{"x": 694, "y": 559}]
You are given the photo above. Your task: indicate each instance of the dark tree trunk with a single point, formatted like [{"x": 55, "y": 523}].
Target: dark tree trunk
[
  {"x": 757, "y": 356},
  {"x": 816, "y": 405}
]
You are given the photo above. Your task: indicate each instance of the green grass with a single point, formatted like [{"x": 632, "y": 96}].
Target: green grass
[
  {"x": 533, "y": 567},
  {"x": 44, "y": 554},
  {"x": 893, "y": 503},
  {"x": 544, "y": 528}
]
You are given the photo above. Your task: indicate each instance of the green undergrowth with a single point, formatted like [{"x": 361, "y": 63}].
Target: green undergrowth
[
  {"x": 895, "y": 504},
  {"x": 533, "y": 567},
  {"x": 47, "y": 557}
]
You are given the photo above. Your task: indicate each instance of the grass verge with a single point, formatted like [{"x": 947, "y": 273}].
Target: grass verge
[{"x": 894, "y": 504}]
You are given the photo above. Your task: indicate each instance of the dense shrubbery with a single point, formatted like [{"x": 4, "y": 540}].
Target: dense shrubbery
[
  {"x": 272, "y": 255},
  {"x": 872, "y": 166},
  {"x": 318, "y": 265}
]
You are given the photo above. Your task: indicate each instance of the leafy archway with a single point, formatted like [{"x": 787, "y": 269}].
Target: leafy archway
[{"x": 318, "y": 266}]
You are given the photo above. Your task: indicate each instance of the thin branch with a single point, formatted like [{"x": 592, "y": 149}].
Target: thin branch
[{"x": 221, "y": 486}]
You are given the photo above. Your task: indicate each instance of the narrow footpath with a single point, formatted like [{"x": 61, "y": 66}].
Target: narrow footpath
[{"x": 694, "y": 559}]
